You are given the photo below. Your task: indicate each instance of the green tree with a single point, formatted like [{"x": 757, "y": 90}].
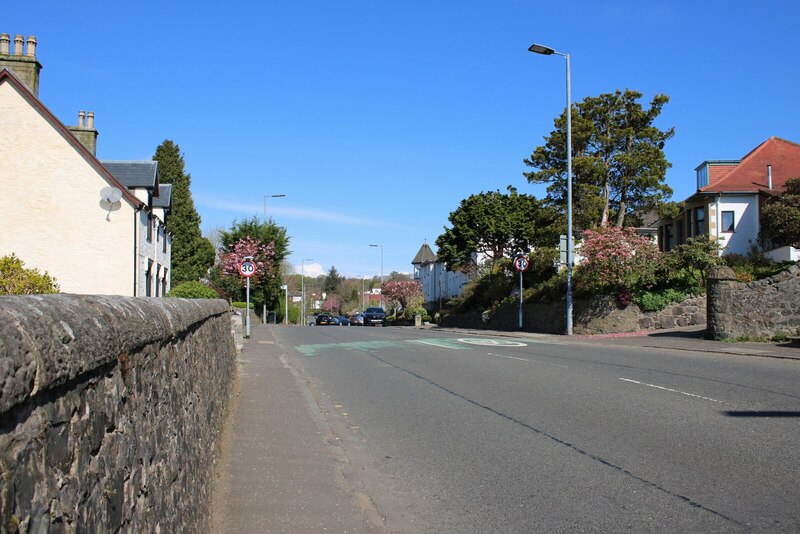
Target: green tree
[
  {"x": 192, "y": 254},
  {"x": 495, "y": 225},
  {"x": 780, "y": 217},
  {"x": 332, "y": 281},
  {"x": 264, "y": 290},
  {"x": 15, "y": 279},
  {"x": 618, "y": 161}
]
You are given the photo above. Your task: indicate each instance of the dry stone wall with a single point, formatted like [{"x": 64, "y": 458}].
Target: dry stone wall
[
  {"x": 110, "y": 412},
  {"x": 757, "y": 310}
]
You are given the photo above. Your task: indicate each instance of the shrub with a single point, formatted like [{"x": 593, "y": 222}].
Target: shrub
[
  {"x": 651, "y": 301},
  {"x": 15, "y": 279},
  {"x": 242, "y": 305},
  {"x": 192, "y": 290},
  {"x": 616, "y": 258},
  {"x": 426, "y": 318}
]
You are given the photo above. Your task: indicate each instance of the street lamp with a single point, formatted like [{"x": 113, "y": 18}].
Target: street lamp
[
  {"x": 547, "y": 51},
  {"x": 265, "y": 204},
  {"x": 303, "y": 290},
  {"x": 381, "y": 272}
]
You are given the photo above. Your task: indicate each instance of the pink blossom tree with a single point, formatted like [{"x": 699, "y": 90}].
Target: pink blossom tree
[
  {"x": 616, "y": 259},
  {"x": 261, "y": 253},
  {"x": 403, "y": 294}
]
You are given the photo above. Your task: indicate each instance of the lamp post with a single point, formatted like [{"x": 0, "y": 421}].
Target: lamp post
[
  {"x": 265, "y": 203},
  {"x": 547, "y": 51},
  {"x": 381, "y": 272},
  {"x": 303, "y": 290}
]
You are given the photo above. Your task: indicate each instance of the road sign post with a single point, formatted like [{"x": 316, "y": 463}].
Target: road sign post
[
  {"x": 247, "y": 269},
  {"x": 521, "y": 264}
]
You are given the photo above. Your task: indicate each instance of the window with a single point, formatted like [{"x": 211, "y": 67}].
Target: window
[
  {"x": 700, "y": 221},
  {"x": 680, "y": 236},
  {"x": 158, "y": 278},
  {"x": 164, "y": 283},
  {"x": 690, "y": 220},
  {"x": 164, "y": 242},
  {"x": 149, "y": 227},
  {"x": 669, "y": 237},
  {"x": 727, "y": 221},
  {"x": 148, "y": 279},
  {"x": 702, "y": 176}
]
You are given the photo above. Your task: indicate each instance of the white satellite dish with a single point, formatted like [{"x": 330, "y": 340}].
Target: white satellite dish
[
  {"x": 109, "y": 198},
  {"x": 110, "y": 194}
]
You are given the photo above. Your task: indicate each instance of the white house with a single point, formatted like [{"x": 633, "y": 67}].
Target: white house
[
  {"x": 437, "y": 282},
  {"x": 729, "y": 196},
  {"x": 63, "y": 211}
]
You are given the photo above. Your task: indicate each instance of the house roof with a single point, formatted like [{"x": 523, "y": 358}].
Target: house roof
[
  {"x": 134, "y": 174},
  {"x": 8, "y": 76},
  {"x": 750, "y": 175},
  {"x": 164, "y": 197},
  {"x": 425, "y": 255}
]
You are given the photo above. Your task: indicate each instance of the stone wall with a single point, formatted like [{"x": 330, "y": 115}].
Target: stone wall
[
  {"x": 110, "y": 412},
  {"x": 758, "y": 310},
  {"x": 602, "y": 315}
]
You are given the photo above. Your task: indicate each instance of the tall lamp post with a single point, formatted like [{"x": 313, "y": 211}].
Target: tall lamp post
[
  {"x": 265, "y": 203},
  {"x": 381, "y": 272},
  {"x": 547, "y": 51},
  {"x": 303, "y": 290}
]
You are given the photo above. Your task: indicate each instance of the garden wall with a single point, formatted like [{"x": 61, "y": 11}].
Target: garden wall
[
  {"x": 601, "y": 315},
  {"x": 110, "y": 412},
  {"x": 757, "y": 310}
]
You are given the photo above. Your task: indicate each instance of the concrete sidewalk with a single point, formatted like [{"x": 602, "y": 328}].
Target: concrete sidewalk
[{"x": 281, "y": 469}]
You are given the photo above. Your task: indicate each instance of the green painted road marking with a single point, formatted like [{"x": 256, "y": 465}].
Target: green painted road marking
[{"x": 316, "y": 349}]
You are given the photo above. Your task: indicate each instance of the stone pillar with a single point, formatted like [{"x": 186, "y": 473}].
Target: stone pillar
[{"x": 720, "y": 286}]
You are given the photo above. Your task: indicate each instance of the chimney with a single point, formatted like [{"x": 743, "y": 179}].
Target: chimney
[
  {"x": 85, "y": 133},
  {"x": 769, "y": 176},
  {"x": 24, "y": 65}
]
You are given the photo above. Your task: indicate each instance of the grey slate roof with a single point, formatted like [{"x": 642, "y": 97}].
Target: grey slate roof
[
  {"x": 164, "y": 198},
  {"x": 134, "y": 174},
  {"x": 425, "y": 255}
]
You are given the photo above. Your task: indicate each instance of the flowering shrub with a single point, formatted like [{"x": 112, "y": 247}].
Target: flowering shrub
[
  {"x": 403, "y": 294},
  {"x": 616, "y": 259},
  {"x": 262, "y": 254}
]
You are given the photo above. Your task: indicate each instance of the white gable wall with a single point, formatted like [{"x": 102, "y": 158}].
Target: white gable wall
[
  {"x": 745, "y": 234},
  {"x": 51, "y": 217}
]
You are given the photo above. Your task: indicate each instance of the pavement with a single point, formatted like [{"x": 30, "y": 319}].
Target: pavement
[{"x": 281, "y": 468}]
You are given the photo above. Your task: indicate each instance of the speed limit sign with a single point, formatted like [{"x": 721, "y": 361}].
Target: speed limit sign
[
  {"x": 521, "y": 263},
  {"x": 247, "y": 269}
]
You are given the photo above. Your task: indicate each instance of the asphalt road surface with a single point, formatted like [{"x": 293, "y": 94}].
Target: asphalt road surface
[{"x": 456, "y": 433}]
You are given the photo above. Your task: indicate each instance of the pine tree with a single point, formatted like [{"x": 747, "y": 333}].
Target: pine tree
[{"x": 192, "y": 254}]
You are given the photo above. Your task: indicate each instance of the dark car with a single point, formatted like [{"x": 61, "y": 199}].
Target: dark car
[
  {"x": 343, "y": 321},
  {"x": 373, "y": 316},
  {"x": 356, "y": 319},
  {"x": 323, "y": 319}
]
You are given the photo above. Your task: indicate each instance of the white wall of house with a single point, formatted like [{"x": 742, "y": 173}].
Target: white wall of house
[
  {"x": 746, "y": 225},
  {"x": 437, "y": 282},
  {"x": 52, "y": 217}
]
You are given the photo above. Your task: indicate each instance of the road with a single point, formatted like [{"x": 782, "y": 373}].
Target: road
[{"x": 454, "y": 433}]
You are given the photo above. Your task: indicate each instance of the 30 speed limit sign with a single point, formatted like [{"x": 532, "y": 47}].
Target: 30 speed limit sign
[
  {"x": 521, "y": 263},
  {"x": 247, "y": 269}
]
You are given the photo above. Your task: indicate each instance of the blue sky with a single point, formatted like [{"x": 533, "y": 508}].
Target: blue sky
[{"x": 375, "y": 118}]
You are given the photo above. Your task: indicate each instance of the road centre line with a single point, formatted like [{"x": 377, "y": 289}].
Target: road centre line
[{"x": 671, "y": 390}]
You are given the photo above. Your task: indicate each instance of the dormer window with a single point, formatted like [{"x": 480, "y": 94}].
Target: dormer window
[{"x": 702, "y": 176}]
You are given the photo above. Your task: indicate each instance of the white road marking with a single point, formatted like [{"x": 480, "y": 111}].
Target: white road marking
[
  {"x": 443, "y": 343},
  {"x": 508, "y": 357},
  {"x": 486, "y": 342},
  {"x": 669, "y": 389}
]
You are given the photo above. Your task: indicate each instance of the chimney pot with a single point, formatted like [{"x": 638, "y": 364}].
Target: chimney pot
[
  {"x": 81, "y": 115},
  {"x": 90, "y": 120},
  {"x": 18, "y": 42},
  {"x": 31, "y": 46},
  {"x": 5, "y": 42}
]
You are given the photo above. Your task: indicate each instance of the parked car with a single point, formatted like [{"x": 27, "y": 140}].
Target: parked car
[
  {"x": 323, "y": 319},
  {"x": 356, "y": 319},
  {"x": 373, "y": 316},
  {"x": 343, "y": 321}
]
